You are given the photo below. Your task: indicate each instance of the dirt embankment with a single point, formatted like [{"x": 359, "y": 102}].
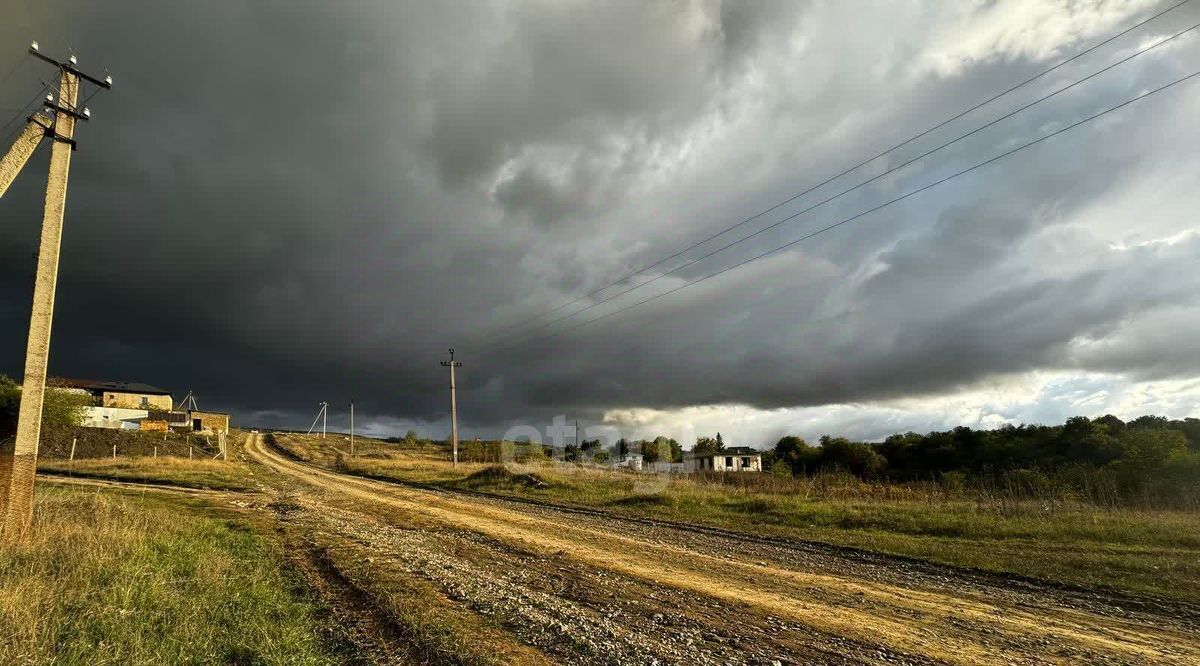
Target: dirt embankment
[
  {"x": 99, "y": 442},
  {"x": 597, "y": 589}
]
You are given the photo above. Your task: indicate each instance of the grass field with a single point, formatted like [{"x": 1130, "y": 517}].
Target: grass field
[
  {"x": 1150, "y": 552},
  {"x": 213, "y": 474},
  {"x": 113, "y": 578}
]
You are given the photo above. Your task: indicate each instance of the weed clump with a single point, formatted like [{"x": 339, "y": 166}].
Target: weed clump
[{"x": 500, "y": 477}]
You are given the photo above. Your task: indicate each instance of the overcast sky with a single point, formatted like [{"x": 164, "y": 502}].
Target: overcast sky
[{"x": 281, "y": 203}]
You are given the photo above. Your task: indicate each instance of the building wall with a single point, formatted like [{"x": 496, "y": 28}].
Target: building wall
[
  {"x": 631, "y": 461},
  {"x": 154, "y": 425},
  {"x": 728, "y": 463},
  {"x": 212, "y": 421},
  {"x": 111, "y": 417},
  {"x": 134, "y": 401}
]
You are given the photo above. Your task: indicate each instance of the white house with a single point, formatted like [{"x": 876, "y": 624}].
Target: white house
[
  {"x": 631, "y": 461},
  {"x": 732, "y": 459}
]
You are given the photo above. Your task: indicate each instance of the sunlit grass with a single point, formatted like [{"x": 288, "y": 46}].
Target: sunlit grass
[
  {"x": 192, "y": 473},
  {"x": 109, "y": 578}
]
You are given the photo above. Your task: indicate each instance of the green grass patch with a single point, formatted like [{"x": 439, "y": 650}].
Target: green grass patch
[{"x": 115, "y": 578}]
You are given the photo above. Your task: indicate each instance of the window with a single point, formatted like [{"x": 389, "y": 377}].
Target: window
[
  {"x": 145, "y": 402},
  {"x": 728, "y": 462},
  {"x": 745, "y": 463}
]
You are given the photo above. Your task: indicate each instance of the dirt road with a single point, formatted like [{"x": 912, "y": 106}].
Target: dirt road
[{"x": 598, "y": 589}]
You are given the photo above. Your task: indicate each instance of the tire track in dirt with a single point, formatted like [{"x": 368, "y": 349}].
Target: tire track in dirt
[{"x": 954, "y": 627}]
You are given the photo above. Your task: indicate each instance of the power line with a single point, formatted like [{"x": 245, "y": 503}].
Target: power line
[
  {"x": 864, "y": 183},
  {"x": 4, "y": 79},
  {"x": 853, "y": 168},
  {"x": 870, "y": 210},
  {"x": 25, "y": 110}
]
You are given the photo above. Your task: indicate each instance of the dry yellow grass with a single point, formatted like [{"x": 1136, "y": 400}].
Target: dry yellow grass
[
  {"x": 193, "y": 473},
  {"x": 110, "y": 578}
]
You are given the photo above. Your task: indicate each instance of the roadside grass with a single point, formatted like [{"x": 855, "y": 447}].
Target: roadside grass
[
  {"x": 1142, "y": 551},
  {"x": 191, "y": 473},
  {"x": 131, "y": 578}
]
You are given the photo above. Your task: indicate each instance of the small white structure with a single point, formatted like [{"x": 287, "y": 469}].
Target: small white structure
[
  {"x": 113, "y": 417},
  {"x": 733, "y": 459},
  {"x": 631, "y": 461}
]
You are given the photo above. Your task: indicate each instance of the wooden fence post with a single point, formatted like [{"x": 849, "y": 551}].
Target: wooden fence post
[{"x": 73, "y": 440}]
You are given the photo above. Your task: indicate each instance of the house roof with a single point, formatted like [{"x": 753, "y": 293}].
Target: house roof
[{"x": 115, "y": 387}]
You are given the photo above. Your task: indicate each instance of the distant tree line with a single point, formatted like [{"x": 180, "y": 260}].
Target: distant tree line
[
  {"x": 1150, "y": 454},
  {"x": 659, "y": 449}
]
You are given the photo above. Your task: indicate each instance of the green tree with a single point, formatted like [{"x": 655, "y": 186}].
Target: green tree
[
  {"x": 669, "y": 450},
  {"x": 795, "y": 454},
  {"x": 855, "y": 457},
  {"x": 706, "y": 446},
  {"x": 676, "y": 450},
  {"x": 650, "y": 451}
]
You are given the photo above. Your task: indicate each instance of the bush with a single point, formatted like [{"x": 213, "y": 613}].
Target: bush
[{"x": 59, "y": 408}]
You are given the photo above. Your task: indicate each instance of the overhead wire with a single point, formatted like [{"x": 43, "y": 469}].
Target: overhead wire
[
  {"x": 862, "y": 184},
  {"x": 4, "y": 79},
  {"x": 862, "y": 214},
  {"x": 830, "y": 179},
  {"x": 22, "y": 113}
]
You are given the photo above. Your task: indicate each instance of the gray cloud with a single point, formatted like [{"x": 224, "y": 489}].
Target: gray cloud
[{"x": 280, "y": 204}]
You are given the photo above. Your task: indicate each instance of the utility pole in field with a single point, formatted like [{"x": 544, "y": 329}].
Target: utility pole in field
[
  {"x": 17, "y": 469},
  {"x": 351, "y": 428},
  {"x": 322, "y": 416},
  {"x": 452, "y": 364}
]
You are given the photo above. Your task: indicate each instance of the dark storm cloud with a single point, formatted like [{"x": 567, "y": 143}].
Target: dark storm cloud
[{"x": 283, "y": 203}]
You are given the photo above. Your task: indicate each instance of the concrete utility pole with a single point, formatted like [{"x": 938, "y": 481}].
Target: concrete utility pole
[
  {"x": 351, "y": 428},
  {"x": 324, "y": 417},
  {"x": 452, "y": 364},
  {"x": 17, "y": 469},
  {"x": 22, "y": 149}
]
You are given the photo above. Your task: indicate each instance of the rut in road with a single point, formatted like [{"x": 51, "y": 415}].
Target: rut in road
[{"x": 817, "y": 607}]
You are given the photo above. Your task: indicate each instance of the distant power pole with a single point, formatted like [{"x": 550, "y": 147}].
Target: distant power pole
[
  {"x": 322, "y": 414},
  {"x": 351, "y": 428},
  {"x": 189, "y": 403},
  {"x": 452, "y": 364},
  {"x": 17, "y": 470}
]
